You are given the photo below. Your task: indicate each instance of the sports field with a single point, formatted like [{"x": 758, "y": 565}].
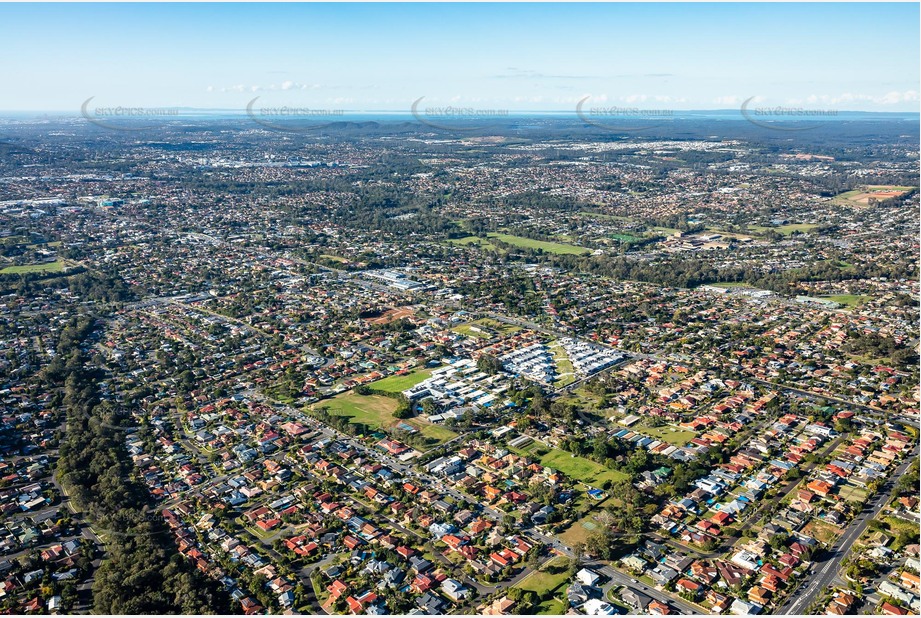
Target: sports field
[
  {"x": 546, "y": 246},
  {"x": 46, "y": 267},
  {"x": 862, "y": 195},
  {"x": 398, "y": 384}
]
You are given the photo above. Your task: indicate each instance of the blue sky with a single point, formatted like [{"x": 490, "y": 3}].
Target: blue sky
[{"x": 849, "y": 56}]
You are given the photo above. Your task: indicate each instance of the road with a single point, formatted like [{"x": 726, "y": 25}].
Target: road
[
  {"x": 826, "y": 573},
  {"x": 620, "y": 579}
]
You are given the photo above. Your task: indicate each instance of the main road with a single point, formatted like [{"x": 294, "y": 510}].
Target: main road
[{"x": 828, "y": 571}]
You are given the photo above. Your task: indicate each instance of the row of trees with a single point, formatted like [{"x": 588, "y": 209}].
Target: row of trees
[{"x": 143, "y": 572}]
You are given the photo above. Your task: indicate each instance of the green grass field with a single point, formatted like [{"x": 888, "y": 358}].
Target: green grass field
[
  {"x": 785, "y": 230},
  {"x": 475, "y": 241},
  {"x": 489, "y": 324},
  {"x": 903, "y": 532},
  {"x": 377, "y": 411},
  {"x": 852, "y": 494},
  {"x": 542, "y": 582},
  {"x": 580, "y": 468},
  {"x": 547, "y": 247},
  {"x": 564, "y": 369},
  {"x": 48, "y": 267},
  {"x": 678, "y": 437},
  {"x": 848, "y": 300},
  {"x": 398, "y": 384},
  {"x": 578, "y": 531},
  {"x": 854, "y": 196}
]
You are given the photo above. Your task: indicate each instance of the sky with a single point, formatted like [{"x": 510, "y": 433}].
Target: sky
[{"x": 515, "y": 57}]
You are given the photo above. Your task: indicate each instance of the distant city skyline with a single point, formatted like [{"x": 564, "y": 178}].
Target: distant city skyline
[{"x": 511, "y": 57}]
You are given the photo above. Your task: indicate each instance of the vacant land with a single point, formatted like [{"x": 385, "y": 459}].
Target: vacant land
[
  {"x": 848, "y": 300},
  {"x": 822, "y": 531},
  {"x": 863, "y": 195},
  {"x": 565, "y": 372},
  {"x": 580, "y": 468},
  {"x": 543, "y": 245},
  {"x": 482, "y": 328},
  {"x": 678, "y": 437},
  {"x": 376, "y": 411},
  {"x": 476, "y": 241},
  {"x": 578, "y": 531},
  {"x": 785, "y": 230},
  {"x": 399, "y": 383},
  {"x": 550, "y": 581},
  {"x": 46, "y": 267}
]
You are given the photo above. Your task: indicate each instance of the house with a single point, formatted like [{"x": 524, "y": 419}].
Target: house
[
  {"x": 718, "y": 601},
  {"x": 634, "y": 563},
  {"x": 888, "y": 609},
  {"x": 597, "y": 607},
  {"x": 432, "y": 604},
  {"x": 679, "y": 562},
  {"x": 499, "y": 607},
  {"x": 744, "y": 608},
  {"x": 745, "y": 559},
  {"x": 454, "y": 590},
  {"x": 577, "y": 594},
  {"x": 587, "y": 577},
  {"x": 910, "y": 580},
  {"x": 688, "y": 587},
  {"x": 635, "y": 599},
  {"x": 759, "y": 594}
]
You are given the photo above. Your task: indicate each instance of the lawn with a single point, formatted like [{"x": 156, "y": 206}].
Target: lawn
[
  {"x": 860, "y": 196},
  {"x": 376, "y": 411},
  {"x": 335, "y": 258},
  {"x": 552, "y": 607},
  {"x": 785, "y": 230},
  {"x": 547, "y": 247},
  {"x": 485, "y": 325},
  {"x": 546, "y": 580},
  {"x": 678, "y": 437},
  {"x": 903, "y": 532},
  {"x": 790, "y": 228},
  {"x": 578, "y": 531},
  {"x": 46, "y": 267},
  {"x": 398, "y": 384},
  {"x": 852, "y": 494},
  {"x": 848, "y": 300},
  {"x": 580, "y": 468},
  {"x": 476, "y": 241}
]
